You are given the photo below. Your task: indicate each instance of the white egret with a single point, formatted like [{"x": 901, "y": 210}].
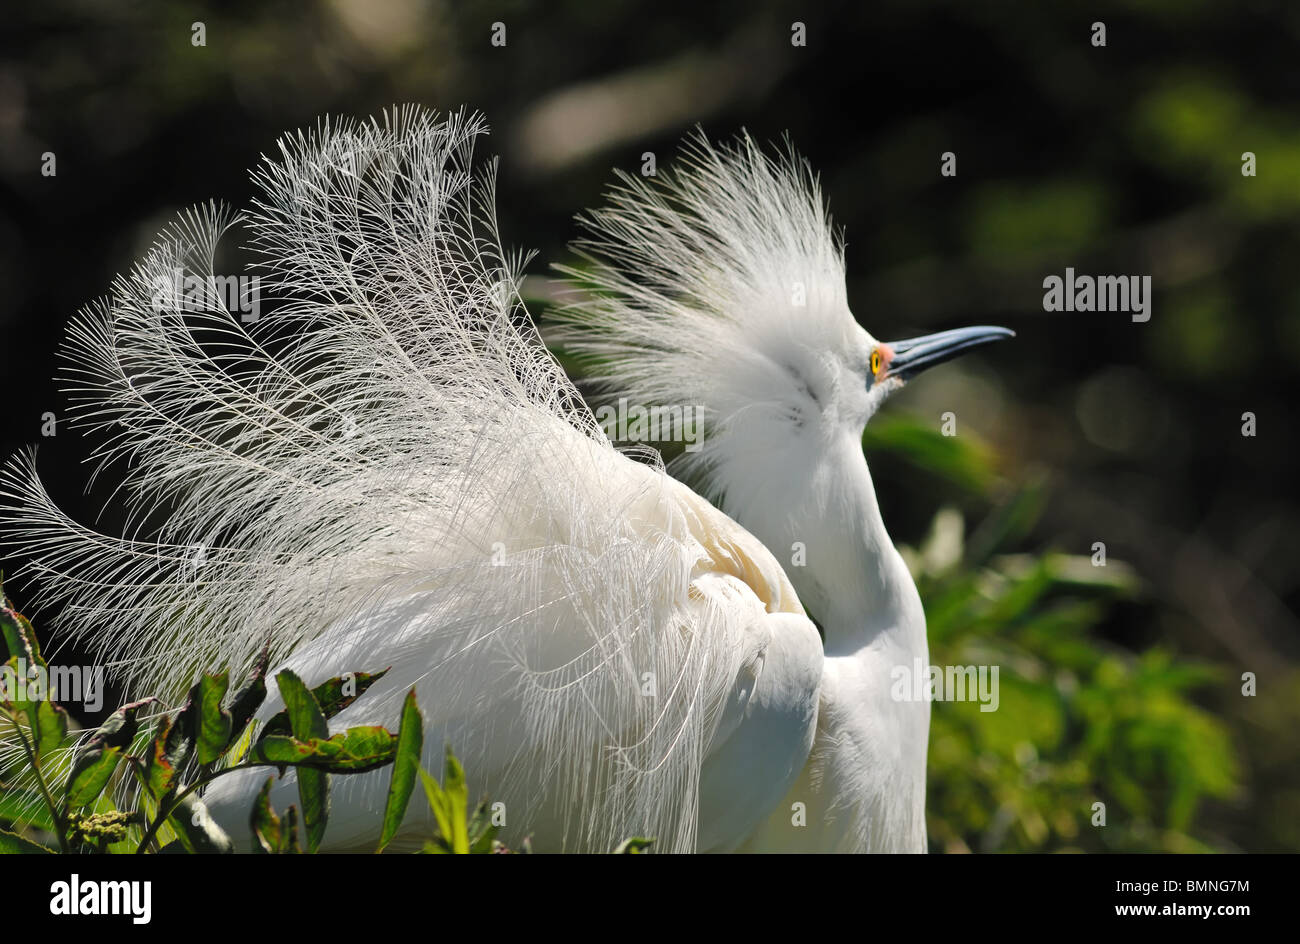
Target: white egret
[
  {"x": 721, "y": 285},
  {"x": 411, "y": 481}
]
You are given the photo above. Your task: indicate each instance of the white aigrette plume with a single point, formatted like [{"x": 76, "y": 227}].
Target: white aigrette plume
[
  {"x": 389, "y": 469},
  {"x": 720, "y": 284}
]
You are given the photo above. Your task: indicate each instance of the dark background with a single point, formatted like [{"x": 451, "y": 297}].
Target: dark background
[{"x": 1117, "y": 160}]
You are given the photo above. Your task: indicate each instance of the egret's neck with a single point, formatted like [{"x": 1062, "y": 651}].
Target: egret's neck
[
  {"x": 866, "y": 773},
  {"x": 855, "y": 581}
]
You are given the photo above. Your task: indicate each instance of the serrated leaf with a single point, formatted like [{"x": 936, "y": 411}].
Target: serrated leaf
[
  {"x": 214, "y": 723},
  {"x": 406, "y": 763}
]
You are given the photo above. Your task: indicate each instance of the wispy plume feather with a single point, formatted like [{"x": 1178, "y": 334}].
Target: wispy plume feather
[
  {"x": 694, "y": 287},
  {"x": 389, "y": 468}
]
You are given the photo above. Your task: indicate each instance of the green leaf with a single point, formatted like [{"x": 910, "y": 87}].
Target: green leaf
[
  {"x": 438, "y": 804},
  {"x": 197, "y": 830},
  {"x": 266, "y": 825},
  {"x": 406, "y": 762},
  {"x": 179, "y": 737},
  {"x": 633, "y": 846},
  {"x": 314, "y": 794},
  {"x": 289, "y": 836},
  {"x": 90, "y": 774},
  {"x": 19, "y": 637},
  {"x": 353, "y": 751},
  {"x": 450, "y": 804},
  {"x": 214, "y": 722},
  {"x": 15, "y": 697},
  {"x": 457, "y": 793},
  {"x": 19, "y": 697},
  {"x": 482, "y": 831},
  {"x": 14, "y": 844},
  {"x": 95, "y": 762},
  {"x": 309, "y": 727},
  {"x": 160, "y": 773},
  {"x": 248, "y": 699},
  {"x": 331, "y": 696},
  {"x": 27, "y": 807},
  {"x": 120, "y": 728},
  {"x": 306, "y": 720},
  {"x": 51, "y": 728},
  {"x": 338, "y": 693}
]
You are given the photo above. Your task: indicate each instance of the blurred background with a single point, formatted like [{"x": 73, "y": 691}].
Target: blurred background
[{"x": 1120, "y": 684}]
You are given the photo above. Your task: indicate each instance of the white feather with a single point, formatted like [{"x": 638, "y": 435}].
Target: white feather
[
  {"x": 719, "y": 285},
  {"x": 390, "y": 469}
]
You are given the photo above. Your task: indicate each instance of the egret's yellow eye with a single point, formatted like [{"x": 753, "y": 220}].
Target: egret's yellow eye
[{"x": 875, "y": 362}]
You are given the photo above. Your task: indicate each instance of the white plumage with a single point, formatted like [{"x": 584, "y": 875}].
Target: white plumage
[
  {"x": 721, "y": 284},
  {"x": 391, "y": 470}
]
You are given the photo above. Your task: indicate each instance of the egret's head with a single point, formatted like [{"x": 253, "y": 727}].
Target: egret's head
[
  {"x": 718, "y": 288},
  {"x": 891, "y": 364}
]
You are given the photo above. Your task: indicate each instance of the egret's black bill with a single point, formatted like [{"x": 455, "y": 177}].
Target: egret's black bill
[{"x": 917, "y": 354}]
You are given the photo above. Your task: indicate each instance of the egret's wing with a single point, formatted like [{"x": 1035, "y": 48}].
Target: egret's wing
[{"x": 388, "y": 468}]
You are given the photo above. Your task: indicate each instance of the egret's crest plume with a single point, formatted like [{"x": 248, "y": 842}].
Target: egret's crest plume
[{"x": 720, "y": 283}]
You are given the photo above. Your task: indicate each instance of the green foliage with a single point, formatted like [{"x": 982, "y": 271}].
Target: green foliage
[
  {"x": 634, "y": 846},
  {"x": 172, "y": 756},
  {"x": 1079, "y": 720},
  {"x": 406, "y": 764}
]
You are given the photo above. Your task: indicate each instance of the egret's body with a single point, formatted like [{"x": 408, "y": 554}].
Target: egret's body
[{"x": 411, "y": 481}]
